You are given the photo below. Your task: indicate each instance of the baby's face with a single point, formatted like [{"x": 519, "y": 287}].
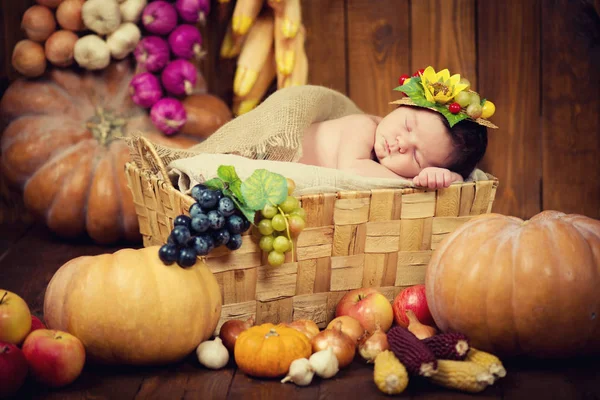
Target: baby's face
[{"x": 409, "y": 139}]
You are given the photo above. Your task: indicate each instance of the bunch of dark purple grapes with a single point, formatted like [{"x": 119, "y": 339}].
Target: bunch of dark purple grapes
[{"x": 213, "y": 221}]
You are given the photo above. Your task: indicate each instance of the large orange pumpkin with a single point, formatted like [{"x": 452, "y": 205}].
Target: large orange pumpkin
[
  {"x": 59, "y": 146},
  {"x": 520, "y": 287},
  {"x": 130, "y": 308}
]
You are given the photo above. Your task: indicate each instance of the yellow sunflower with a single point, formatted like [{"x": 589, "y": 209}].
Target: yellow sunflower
[{"x": 440, "y": 87}]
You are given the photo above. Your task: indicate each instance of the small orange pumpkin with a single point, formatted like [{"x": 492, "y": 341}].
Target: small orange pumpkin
[
  {"x": 519, "y": 287},
  {"x": 267, "y": 350}
]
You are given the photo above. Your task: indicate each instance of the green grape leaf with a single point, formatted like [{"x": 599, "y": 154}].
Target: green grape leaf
[
  {"x": 264, "y": 187},
  {"x": 214, "y": 184},
  {"x": 227, "y": 173},
  {"x": 453, "y": 119},
  {"x": 248, "y": 213},
  {"x": 236, "y": 189}
]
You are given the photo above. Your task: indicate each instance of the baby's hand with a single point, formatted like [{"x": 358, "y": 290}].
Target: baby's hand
[{"x": 435, "y": 178}]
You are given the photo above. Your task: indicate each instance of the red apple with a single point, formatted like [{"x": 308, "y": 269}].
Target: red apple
[
  {"x": 55, "y": 358},
  {"x": 412, "y": 298},
  {"x": 13, "y": 369},
  {"x": 36, "y": 323},
  {"x": 369, "y": 307},
  {"x": 15, "y": 318}
]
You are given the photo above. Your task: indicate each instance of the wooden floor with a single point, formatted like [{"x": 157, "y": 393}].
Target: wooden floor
[{"x": 29, "y": 256}]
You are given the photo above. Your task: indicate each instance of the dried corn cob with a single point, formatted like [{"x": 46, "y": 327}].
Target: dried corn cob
[
  {"x": 277, "y": 6},
  {"x": 487, "y": 360},
  {"x": 242, "y": 105},
  {"x": 299, "y": 75},
  {"x": 232, "y": 44},
  {"x": 285, "y": 50},
  {"x": 244, "y": 15},
  {"x": 462, "y": 375},
  {"x": 292, "y": 15},
  {"x": 254, "y": 54},
  {"x": 389, "y": 374},
  {"x": 413, "y": 353},
  {"x": 448, "y": 346}
]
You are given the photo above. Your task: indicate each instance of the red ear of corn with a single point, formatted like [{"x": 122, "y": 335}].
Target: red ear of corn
[
  {"x": 448, "y": 346},
  {"x": 254, "y": 54},
  {"x": 244, "y": 104},
  {"x": 413, "y": 353},
  {"x": 299, "y": 75},
  {"x": 244, "y": 15}
]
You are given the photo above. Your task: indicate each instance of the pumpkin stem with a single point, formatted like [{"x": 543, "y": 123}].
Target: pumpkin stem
[
  {"x": 105, "y": 126},
  {"x": 271, "y": 332},
  {"x": 3, "y": 296}
]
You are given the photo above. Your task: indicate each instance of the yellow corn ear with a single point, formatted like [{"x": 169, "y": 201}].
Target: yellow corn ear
[
  {"x": 299, "y": 75},
  {"x": 277, "y": 6},
  {"x": 285, "y": 50},
  {"x": 292, "y": 15},
  {"x": 487, "y": 360},
  {"x": 254, "y": 54},
  {"x": 389, "y": 374},
  {"x": 462, "y": 375},
  {"x": 243, "y": 104},
  {"x": 244, "y": 15},
  {"x": 232, "y": 44}
]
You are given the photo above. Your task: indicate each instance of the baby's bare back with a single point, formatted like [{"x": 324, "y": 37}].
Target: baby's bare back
[{"x": 324, "y": 142}]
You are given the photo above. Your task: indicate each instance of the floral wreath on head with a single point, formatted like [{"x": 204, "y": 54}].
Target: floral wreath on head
[{"x": 451, "y": 96}]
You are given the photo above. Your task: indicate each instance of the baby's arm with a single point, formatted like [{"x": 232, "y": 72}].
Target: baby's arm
[
  {"x": 435, "y": 178},
  {"x": 354, "y": 149}
]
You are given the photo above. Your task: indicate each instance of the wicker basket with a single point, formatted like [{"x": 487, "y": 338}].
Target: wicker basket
[{"x": 377, "y": 238}]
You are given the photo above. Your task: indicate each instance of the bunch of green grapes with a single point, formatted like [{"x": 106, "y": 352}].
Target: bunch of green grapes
[{"x": 279, "y": 225}]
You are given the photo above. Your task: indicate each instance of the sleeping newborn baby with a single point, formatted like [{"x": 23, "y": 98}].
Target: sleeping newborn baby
[{"x": 410, "y": 142}]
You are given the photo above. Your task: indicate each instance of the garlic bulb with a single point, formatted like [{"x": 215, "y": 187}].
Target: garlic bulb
[
  {"x": 123, "y": 41},
  {"x": 131, "y": 10},
  {"x": 300, "y": 372},
  {"x": 91, "y": 52},
  {"x": 324, "y": 363},
  {"x": 101, "y": 16},
  {"x": 212, "y": 354}
]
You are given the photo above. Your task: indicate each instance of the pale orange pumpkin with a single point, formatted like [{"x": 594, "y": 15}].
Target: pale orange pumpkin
[
  {"x": 519, "y": 287},
  {"x": 267, "y": 350},
  {"x": 129, "y": 308},
  {"x": 60, "y": 147}
]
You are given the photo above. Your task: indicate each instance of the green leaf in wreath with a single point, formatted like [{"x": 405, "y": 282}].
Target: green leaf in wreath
[
  {"x": 214, "y": 184},
  {"x": 413, "y": 89},
  {"x": 264, "y": 187},
  {"x": 452, "y": 119},
  {"x": 227, "y": 173}
]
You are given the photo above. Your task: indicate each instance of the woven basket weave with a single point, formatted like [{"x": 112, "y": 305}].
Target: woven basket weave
[{"x": 378, "y": 238}]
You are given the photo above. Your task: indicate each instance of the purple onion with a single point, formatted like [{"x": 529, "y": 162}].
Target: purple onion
[
  {"x": 168, "y": 115},
  {"x": 152, "y": 53},
  {"x": 193, "y": 11},
  {"x": 159, "y": 17},
  {"x": 145, "y": 89},
  {"x": 179, "y": 77},
  {"x": 186, "y": 42}
]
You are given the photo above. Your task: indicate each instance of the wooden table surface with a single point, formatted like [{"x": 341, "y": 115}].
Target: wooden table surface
[{"x": 29, "y": 256}]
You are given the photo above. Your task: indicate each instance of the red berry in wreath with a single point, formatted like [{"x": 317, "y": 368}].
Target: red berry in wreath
[
  {"x": 402, "y": 79},
  {"x": 454, "y": 108},
  {"x": 419, "y": 72}
]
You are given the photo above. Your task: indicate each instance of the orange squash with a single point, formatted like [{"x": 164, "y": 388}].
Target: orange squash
[
  {"x": 129, "y": 308},
  {"x": 519, "y": 287},
  {"x": 60, "y": 146},
  {"x": 267, "y": 350}
]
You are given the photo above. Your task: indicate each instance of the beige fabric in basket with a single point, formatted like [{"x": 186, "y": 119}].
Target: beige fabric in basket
[{"x": 309, "y": 179}]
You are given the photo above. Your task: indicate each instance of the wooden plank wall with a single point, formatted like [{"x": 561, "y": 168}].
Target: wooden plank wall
[{"x": 538, "y": 60}]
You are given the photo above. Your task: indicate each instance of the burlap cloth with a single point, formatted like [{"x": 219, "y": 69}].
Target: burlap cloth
[{"x": 270, "y": 137}]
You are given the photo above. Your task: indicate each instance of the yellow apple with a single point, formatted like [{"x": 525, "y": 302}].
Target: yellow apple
[{"x": 15, "y": 318}]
